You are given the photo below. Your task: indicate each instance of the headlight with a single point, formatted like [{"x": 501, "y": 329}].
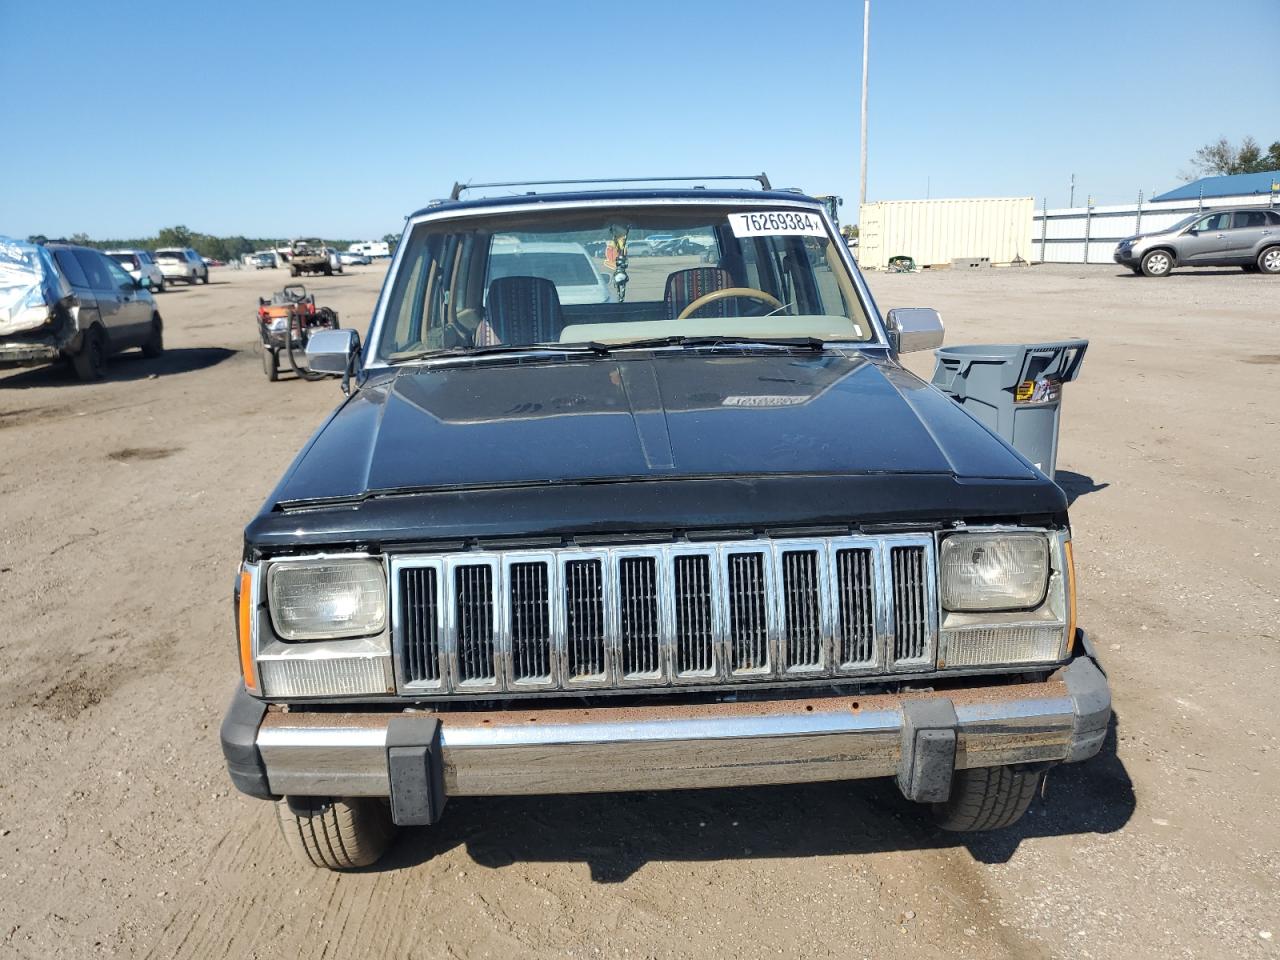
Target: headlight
[
  {"x": 325, "y": 599},
  {"x": 997, "y": 571}
]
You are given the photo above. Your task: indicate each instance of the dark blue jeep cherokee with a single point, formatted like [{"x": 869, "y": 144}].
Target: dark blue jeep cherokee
[{"x": 601, "y": 513}]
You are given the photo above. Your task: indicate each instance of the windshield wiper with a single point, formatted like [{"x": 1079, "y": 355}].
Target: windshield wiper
[
  {"x": 497, "y": 350},
  {"x": 793, "y": 343}
]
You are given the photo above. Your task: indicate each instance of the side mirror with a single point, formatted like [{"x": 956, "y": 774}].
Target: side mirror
[
  {"x": 914, "y": 328},
  {"x": 332, "y": 351}
]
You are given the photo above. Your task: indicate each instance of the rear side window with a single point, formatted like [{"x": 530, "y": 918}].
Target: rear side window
[
  {"x": 1273, "y": 218},
  {"x": 1249, "y": 218},
  {"x": 71, "y": 268},
  {"x": 95, "y": 268}
]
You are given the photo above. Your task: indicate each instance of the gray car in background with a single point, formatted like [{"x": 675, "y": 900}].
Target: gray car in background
[{"x": 1248, "y": 238}]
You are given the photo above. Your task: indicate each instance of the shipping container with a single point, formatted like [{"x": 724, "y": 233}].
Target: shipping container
[{"x": 935, "y": 232}]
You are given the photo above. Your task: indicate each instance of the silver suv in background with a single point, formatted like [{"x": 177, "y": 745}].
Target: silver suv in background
[
  {"x": 182, "y": 263},
  {"x": 141, "y": 266},
  {"x": 1248, "y": 238}
]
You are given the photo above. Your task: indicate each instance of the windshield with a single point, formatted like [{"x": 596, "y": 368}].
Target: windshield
[{"x": 617, "y": 275}]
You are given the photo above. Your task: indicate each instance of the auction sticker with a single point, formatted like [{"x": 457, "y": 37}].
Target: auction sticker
[{"x": 773, "y": 223}]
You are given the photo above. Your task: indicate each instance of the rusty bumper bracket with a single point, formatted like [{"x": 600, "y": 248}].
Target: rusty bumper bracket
[
  {"x": 415, "y": 766},
  {"x": 928, "y": 758}
]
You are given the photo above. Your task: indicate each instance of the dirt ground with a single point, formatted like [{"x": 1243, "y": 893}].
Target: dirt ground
[{"x": 121, "y": 507}]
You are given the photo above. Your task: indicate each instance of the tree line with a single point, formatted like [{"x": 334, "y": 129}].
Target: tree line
[
  {"x": 205, "y": 244},
  {"x": 1223, "y": 158}
]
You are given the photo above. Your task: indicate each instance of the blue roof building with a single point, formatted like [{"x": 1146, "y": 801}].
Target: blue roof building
[{"x": 1237, "y": 185}]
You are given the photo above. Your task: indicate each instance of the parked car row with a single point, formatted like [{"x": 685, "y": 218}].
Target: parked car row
[
  {"x": 156, "y": 270},
  {"x": 65, "y": 302},
  {"x": 1248, "y": 238}
]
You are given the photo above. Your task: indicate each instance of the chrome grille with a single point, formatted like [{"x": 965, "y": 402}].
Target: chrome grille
[
  {"x": 529, "y": 604},
  {"x": 638, "y": 616},
  {"x": 802, "y": 611},
  {"x": 473, "y": 624},
  {"x": 419, "y": 612},
  {"x": 748, "y": 614},
  {"x": 911, "y": 628},
  {"x": 695, "y": 646},
  {"x": 584, "y": 627},
  {"x": 690, "y": 613},
  {"x": 856, "y": 615}
]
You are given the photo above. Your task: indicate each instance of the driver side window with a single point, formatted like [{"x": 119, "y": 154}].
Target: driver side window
[
  {"x": 1214, "y": 221},
  {"x": 121, "y": 279}
]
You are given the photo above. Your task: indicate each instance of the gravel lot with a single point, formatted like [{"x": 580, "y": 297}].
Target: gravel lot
[{"x": 123, "y": 503}]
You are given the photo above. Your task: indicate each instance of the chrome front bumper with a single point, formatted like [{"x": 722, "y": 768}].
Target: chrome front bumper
[{"x": 271, "y": 752}]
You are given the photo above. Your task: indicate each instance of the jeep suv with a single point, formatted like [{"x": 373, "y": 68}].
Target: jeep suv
[
  {"x": 708, "y": 532},
  {"x": 1243, "y": 237}
]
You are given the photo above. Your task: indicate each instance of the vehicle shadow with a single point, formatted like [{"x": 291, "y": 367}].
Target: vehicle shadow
[
  {"x": 1183, "y": 272},
  {"x": 617, "y": 834},
  {"x": 1076, "y": 485},
  {"x": 131, "y": 365}
]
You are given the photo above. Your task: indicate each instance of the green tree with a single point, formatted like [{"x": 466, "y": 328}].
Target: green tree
[
  {"x": 391, "y": 240},
  {"x": 1222, "y": 158},
  {"x": 174, "y": 237}
]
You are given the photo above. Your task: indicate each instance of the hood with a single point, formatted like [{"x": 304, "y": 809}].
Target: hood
[
  {"x": 695, "y": 440},
  {"x": 691, "y": 414}
]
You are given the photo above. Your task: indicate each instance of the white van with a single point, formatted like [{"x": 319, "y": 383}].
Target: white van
[{"x": 371, "y": 248}]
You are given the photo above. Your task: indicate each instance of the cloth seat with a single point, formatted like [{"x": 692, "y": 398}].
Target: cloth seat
[
  {"x": 686, "y": 286},
  {"x": 520, "y": 310}
]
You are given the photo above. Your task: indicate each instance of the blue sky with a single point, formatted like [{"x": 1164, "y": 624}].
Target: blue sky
[{"x": 337, "y": 119}]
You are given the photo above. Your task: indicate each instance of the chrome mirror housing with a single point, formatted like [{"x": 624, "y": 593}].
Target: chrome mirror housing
[
  {"x": 914, "y": 328},
  {"x": 331, "y": 351}
]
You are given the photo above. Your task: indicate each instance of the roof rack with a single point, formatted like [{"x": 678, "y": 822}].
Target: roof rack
[{"x": 456, "y": 193}]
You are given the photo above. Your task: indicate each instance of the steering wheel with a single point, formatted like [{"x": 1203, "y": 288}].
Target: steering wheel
[{"x": 751, "y": 293}]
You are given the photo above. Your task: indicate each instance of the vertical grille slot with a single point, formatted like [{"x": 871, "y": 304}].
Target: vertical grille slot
[
  {"x": 910, "y": 608},
  {"x": 584, "y": 619},
  {"x": 473, "y": 611},
  {"x": 419, "y": 608},
  {"x": 695, "y": 632},
  {"x": 855, "y": 618},
  {"x": 802, "y": 609},
  {"x": 748, "y": 613},
  {"x": 638, "y": 617},
  {"x": 530, "y": 618}
]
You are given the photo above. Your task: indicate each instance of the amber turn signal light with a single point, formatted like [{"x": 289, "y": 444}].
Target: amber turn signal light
[
  {"x": 245, "y": 629},
  {"x": 1071, "y": 597}
]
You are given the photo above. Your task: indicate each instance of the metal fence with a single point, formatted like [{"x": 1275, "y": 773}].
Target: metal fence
[{"x": 1089, "y": 234}]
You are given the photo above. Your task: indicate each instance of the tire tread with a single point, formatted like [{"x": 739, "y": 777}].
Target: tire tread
[
  {"x": 341, "y": 834},
  {"x": 988, "y": 798}
]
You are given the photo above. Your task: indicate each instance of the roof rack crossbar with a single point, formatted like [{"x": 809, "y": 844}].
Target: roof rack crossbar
[{"x": 456, "y": 193}]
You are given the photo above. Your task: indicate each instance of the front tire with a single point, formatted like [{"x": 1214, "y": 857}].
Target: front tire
[
  {"x": 988, "y": 798},
  {"x": 270, "y": 364},
  {"x": 1157, "y": 263},
  {"x": 1269, "y": 260},
  {"x": 205, "y": 278},
  {"x": 338, "y": 834},
  {"x": 154, "y": 345},
  {"x": 90, "y": 363}
]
